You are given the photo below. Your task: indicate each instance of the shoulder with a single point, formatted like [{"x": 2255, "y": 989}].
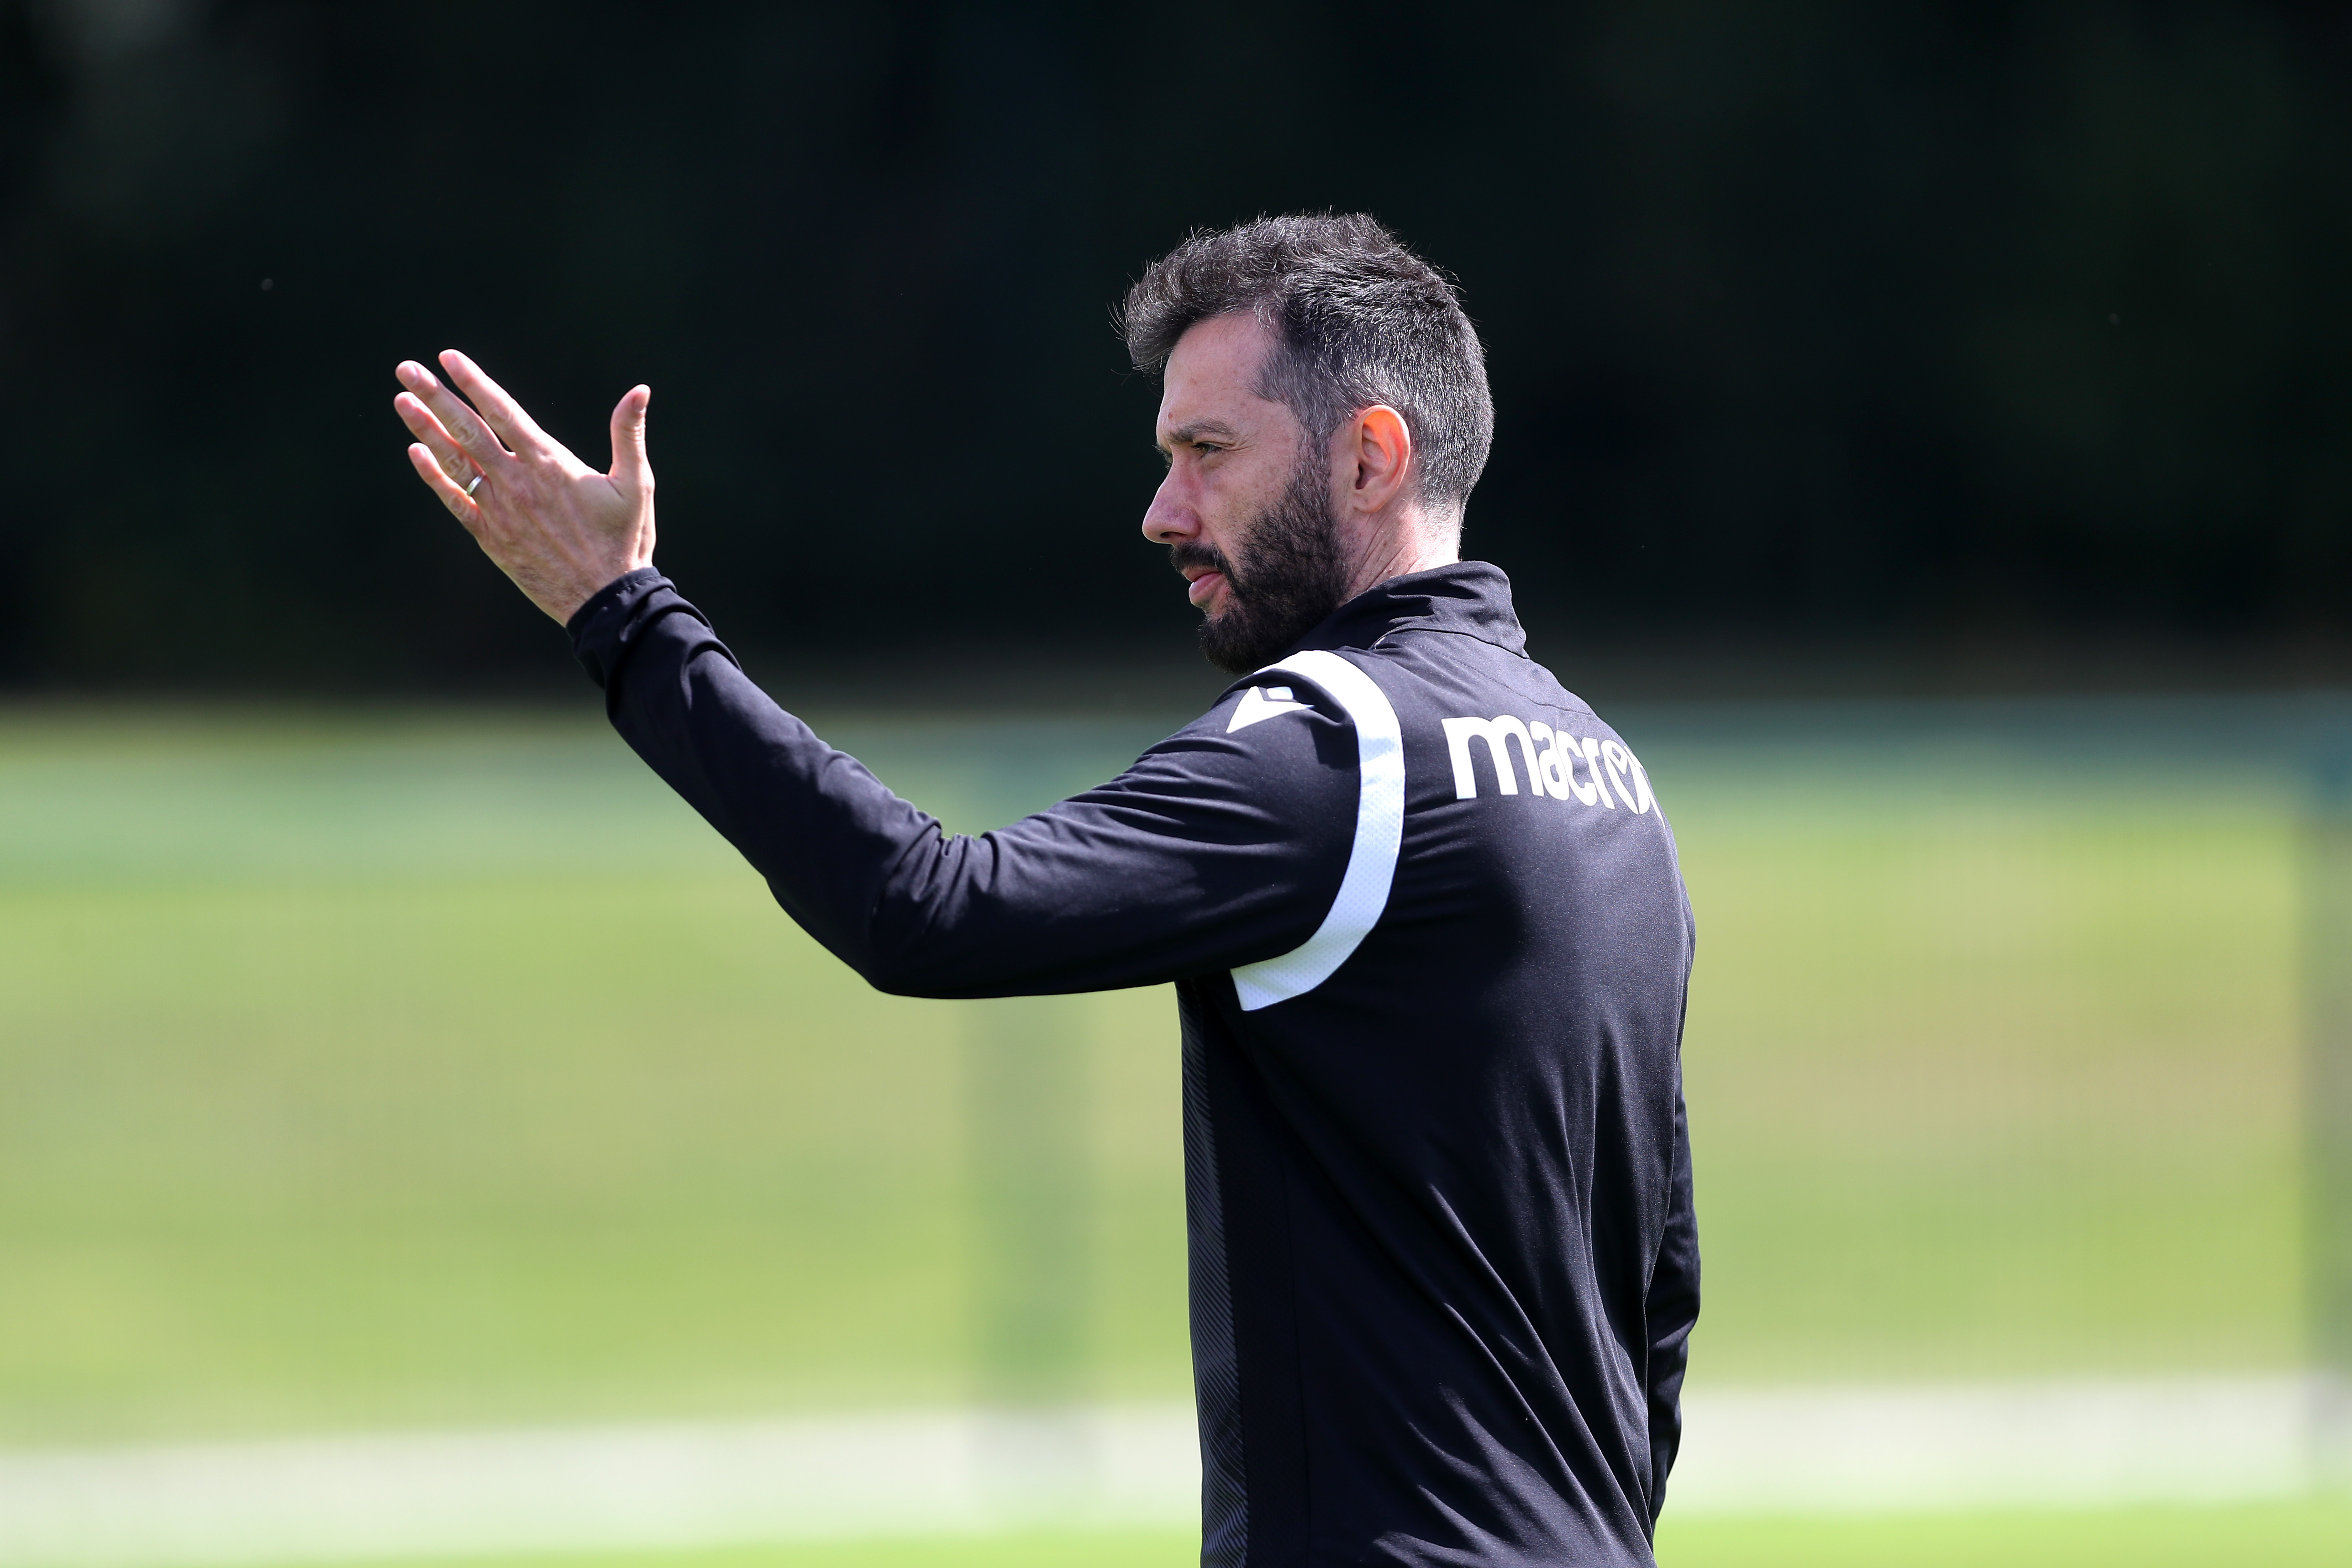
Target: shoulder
[
  {"x": 1275, "y": 743},
  {"x": 1267, "y": 767},
  {"x": 1297, "y": 717}
]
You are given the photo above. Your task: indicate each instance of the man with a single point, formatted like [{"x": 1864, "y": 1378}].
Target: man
[{"x": 1423, "y": 914}]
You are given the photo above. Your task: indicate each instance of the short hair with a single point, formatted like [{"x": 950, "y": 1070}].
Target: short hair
[{"x": 1357, "y": 319}]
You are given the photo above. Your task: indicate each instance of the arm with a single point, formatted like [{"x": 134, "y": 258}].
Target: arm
[
  {"x": 1673, "y": 1309},
  {"x": 1214, "y": 849}
]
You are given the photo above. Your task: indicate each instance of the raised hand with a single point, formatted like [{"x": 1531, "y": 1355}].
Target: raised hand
[{"x": 556, "y": 526}]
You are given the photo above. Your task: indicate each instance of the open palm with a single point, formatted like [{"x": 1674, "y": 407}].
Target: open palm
[{"x": 556, "y": 526}]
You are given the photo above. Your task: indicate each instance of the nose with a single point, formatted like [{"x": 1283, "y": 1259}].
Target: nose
[{"x": 1168, "y": 520}]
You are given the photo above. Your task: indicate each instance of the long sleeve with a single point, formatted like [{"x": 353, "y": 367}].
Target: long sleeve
[
  {"x": 1673, "y": 1309},
  {"x": 1218, "y": 848}
]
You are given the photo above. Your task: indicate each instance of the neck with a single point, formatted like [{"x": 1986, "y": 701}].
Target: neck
[{"x": 1391, "y": 547}]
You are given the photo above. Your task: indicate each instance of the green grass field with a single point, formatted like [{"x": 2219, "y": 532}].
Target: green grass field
[
  {"x": 1992, "y": 1059},
  {"x": 2275, "y": 1535},
  {"x": 408, "y": 1069}
]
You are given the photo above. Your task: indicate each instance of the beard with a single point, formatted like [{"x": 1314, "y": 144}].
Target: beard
[{"x": 1288, "y": 579}]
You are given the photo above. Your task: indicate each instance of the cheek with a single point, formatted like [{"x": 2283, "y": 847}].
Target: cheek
[{"x": 1230, "y": 500}]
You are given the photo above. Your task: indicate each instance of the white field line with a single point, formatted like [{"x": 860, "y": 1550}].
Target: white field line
[
  {"x": 963, "y": 1472},
  {"x": 2070, "y": 1444},
  {"x": 939, "y": 1473}
]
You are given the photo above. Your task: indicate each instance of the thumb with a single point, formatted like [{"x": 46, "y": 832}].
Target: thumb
[{"x": 631, "y": 467}]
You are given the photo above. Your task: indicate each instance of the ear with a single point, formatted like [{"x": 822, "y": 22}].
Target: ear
[{"x": 1378, "y": 450}]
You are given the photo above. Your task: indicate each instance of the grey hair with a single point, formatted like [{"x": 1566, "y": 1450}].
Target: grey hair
[{"x": 1357, "y": 319}]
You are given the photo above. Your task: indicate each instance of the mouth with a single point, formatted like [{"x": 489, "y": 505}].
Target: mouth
[{"x": 1205, "y": 584}]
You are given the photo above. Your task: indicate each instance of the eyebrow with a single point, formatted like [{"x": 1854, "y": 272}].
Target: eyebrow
[{"x": 1194, "y": 431}]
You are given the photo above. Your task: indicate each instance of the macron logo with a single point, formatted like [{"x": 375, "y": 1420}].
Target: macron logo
[
  {"x": 1611, "y": 774},
  {"x": 1263, "y": 702}
]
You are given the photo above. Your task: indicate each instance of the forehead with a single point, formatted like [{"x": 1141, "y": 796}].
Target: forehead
[{"x": 1212, "y": 375}]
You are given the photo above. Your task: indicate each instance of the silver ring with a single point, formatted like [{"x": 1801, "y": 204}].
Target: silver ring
[{"x": 476, "y": 484}]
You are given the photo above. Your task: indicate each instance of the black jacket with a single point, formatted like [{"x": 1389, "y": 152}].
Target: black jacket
[{"x": 1430, "y": 946}]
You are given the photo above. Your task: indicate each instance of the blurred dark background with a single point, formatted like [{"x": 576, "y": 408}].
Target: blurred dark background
[{"x": 1834, "y": 343}]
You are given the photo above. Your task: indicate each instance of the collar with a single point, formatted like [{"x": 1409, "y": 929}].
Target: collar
[{"x": 1469, "y": 598}]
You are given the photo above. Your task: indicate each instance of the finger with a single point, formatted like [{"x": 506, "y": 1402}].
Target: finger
[
  {"x": 427, "y": 429},
  {"x": 505, "y": 414},
  {"x": 452, "y": 496},
  {"x": 631, "y": 466},
  {"x": 465, "y": 426}
]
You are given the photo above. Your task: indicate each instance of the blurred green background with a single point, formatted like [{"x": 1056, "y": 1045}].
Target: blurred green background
[
  {"x": 417, "y": 1066},
  {"x": 420, "y": 1068}
]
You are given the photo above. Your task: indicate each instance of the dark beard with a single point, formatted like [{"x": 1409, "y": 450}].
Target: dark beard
[{"x": 1293, "y": 580}]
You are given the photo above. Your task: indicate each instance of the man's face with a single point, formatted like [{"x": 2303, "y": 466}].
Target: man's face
[{"x": 1245, "y": 510}]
